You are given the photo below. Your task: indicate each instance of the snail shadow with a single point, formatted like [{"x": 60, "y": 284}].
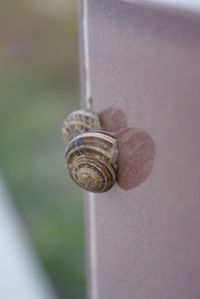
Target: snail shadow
[{"x": 136, "y": 149}]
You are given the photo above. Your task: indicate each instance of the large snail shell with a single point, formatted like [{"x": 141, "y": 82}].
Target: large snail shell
[
  {"x": 90, "y": 159},
  {"x": 79, "y": 121}
]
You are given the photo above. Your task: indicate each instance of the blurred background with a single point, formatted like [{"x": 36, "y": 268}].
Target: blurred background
[{"x": 39, "y": 85}]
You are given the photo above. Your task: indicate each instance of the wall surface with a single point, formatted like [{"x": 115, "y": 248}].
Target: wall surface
[{"x": 145, "y": 242}]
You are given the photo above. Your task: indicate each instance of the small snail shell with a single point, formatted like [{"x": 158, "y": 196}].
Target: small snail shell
[
  {"x": 79, "y": 121},
  {"x": 91, "y": 160}
]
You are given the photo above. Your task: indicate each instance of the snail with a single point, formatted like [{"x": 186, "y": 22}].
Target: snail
[
  {"x": 91, "y": 153},
  {"x": 79, "y": 121},
  {"x": 96, "y": 159}
]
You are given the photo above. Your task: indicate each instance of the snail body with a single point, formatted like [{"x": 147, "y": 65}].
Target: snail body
[{"x": 91, "y": 160}]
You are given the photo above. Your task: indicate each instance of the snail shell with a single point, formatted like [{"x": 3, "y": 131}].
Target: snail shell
[
  {"x": 79, "y": 121},
  {"x": 91, "y": 161}
]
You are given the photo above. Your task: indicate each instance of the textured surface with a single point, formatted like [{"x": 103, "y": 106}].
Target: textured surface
[
  {"x": 113, "y": 119},
  {"x": 136, "y": 154},
  {"x": 147, "y": 64},
  {"x": 136, "y": 149}
]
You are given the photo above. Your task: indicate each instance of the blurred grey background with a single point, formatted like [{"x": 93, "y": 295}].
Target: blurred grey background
[{"x": 39, "y": 85}]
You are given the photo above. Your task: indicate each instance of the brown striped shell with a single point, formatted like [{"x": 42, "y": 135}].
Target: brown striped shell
[
  {"x": 91, "y": 161},
  {"x": 79, "y": 121}
]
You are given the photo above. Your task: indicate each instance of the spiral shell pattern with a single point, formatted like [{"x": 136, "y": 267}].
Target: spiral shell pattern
[
  {"x": 91, "y": 161},
  {"x": 79, "y": 121}
]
